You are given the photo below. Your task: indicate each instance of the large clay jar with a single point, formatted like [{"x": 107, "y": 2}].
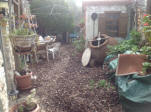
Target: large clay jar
[
  {"x": 23, "y": 82},
  {"x": 99, "y": 52}
]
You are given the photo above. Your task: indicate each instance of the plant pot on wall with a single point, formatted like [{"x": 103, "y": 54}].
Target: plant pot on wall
[
  {"x": 22, "y": 42},
  {"x": 24, "y": 82},
  {"x": 22, "y": 38}
]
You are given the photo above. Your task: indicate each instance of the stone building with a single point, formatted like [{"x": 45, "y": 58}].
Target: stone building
[{"x": 10, "y": 9}]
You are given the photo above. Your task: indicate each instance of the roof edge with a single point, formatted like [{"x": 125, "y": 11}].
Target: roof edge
[{"x": 105, "y": 2}]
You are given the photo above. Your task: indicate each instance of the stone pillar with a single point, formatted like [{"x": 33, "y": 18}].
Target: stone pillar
[
  {"x": 4, "y": 102},
  {"x": 9, "y": 62},
  {"x": 7, "y": 73}
]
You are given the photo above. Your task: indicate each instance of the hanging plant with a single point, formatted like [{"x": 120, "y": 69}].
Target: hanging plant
[
  {"x": 23, "y": 16},
  {"x": 3, "y": 20}
]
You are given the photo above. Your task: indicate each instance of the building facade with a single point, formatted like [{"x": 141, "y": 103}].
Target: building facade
[{"x": 112, "y": 18}]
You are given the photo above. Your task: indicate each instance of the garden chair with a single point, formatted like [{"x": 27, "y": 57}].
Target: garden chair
[
  {"x": 41, "y": 49},
  {"x": 55, "y": 50}
]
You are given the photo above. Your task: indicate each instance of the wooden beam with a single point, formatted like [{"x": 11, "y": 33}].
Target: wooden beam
[
  {"x": 16, "y": 2},
  {"x": 19, "y": 6},
  {"x": 10, "y": 14}
]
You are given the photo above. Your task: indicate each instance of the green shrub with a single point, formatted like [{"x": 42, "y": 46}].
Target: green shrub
[
  {"x": 79, "y": 44},
  {"x": 145, "y": 50},
  {"x": 102, "y": 83},
  {"x": 146, "y": 66},
  {"x": 135, "y": 36},
  {"x": 131, "y": 44},
  {"x": 122, "y": 47}
]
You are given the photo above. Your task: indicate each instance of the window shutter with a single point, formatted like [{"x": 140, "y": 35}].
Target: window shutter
[
  {"x": 102, "y": 25},
  {"x": 123, "y": 22}
]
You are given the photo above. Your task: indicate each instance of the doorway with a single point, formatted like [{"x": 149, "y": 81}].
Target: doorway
[{"x": 112, "y": 23}]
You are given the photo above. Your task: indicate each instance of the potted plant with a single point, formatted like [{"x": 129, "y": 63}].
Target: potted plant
[
  {"x": 22, "y": 39},
  {"x": 28, "y": 105},
  {"x": 23, "y": 76}
]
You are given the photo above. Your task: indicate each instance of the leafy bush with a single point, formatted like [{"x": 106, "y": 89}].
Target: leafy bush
[
  {"x": 146, "y": 67},
  {"x": 145, "y": 50},
  {"x": 131, "y": 44},
  {"x": 122, "y": 47},
  {"x": 79, "y": 44},
  {"x": 136, "y": 37}
]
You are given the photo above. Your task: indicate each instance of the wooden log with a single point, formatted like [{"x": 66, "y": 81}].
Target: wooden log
[{"x": 86, "y": 57}]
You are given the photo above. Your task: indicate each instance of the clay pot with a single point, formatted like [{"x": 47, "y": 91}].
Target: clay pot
[
  {"x": 99, "y": 52},
  {"x": 14, "y": 108},
  {"x": 24, "y": 82}
]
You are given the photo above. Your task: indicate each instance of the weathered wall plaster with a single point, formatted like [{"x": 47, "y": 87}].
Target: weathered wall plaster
[{"x": 98, "y": 10}]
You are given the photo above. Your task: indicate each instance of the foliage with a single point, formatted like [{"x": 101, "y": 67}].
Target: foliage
[
  {"x": 131, "y": 44},
  {"x": 122, "y": 47},
  {"x": 145, "y": 50},
  {"x": 28, "y": 104},
  {"x": 102, "y": 83},
  {"x": 22, "y": 31},
  {"x": 147, "y": 27},
  {"x": 79, "y": 44},
  {"x": 22, "y": 66},
  {"x": 53, "y": 16},
  {"x": 146, "y": 66},
  {"x": 136, "y": 37},
  {"x": 92, "y": 84},
  {"x": 3, "y": 20},
  {"x": 21, "y": 108}
]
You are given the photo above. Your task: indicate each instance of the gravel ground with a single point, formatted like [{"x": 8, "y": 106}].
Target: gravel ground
[{"x": 64, "y": 85}]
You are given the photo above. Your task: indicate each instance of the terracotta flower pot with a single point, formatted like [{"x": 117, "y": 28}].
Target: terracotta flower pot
[
  {"x": 14, "y": 108},
  {"x": 24, "y": 82}
]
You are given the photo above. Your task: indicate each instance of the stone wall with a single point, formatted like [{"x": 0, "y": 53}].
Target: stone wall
[
  {"x": 3, "y": 88},
  {"x": 6, "y": 71}
]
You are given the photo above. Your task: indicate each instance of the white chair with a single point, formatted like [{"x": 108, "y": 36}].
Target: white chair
[{"x": 55, "y": 50}]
